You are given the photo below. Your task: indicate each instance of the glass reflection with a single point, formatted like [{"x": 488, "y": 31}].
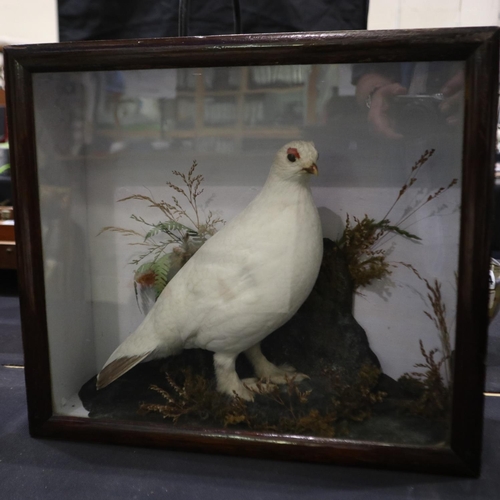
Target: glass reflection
[{"x": 106, "y": 136}]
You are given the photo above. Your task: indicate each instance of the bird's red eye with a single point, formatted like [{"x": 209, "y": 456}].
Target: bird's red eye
[{"x": 292, "y": 154}]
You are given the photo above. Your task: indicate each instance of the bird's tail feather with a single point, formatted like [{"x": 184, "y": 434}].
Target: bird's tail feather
[
  {"x": 148, "y": 340},
  {"x": 116, "y": 368},
  {"x": 134, "y": 349}
]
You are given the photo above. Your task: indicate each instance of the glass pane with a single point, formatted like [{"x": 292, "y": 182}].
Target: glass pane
[{"x": 124, "y": 209}]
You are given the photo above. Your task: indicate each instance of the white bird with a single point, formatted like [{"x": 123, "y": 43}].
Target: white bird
[{"x": 245, "y": 282}]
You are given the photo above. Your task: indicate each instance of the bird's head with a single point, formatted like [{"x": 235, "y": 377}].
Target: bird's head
[{"x": 296, "y": 160}]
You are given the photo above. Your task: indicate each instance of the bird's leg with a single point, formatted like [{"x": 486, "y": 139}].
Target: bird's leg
[
  {"x": 268, "y": 371},
  {"x": 228, "y": 381}
]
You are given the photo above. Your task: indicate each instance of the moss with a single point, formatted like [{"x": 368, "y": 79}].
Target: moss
[
  {"x": 356, "y": 401},
  {"x": 289, "y": 408}
]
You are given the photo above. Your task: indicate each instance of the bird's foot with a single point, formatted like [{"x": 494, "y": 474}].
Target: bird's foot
[
  {"x": 235, "y": 388},
  {"x": 258, "y": 386},
  {"x": 281, "y": 374}
]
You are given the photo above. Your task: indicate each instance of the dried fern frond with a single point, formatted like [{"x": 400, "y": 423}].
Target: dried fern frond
[
  {"x": 121, "y": 230},
  {"x": 169, "y": 237}
]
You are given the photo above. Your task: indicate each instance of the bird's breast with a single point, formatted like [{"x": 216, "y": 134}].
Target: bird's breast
[{"x": 287, "y": 254}]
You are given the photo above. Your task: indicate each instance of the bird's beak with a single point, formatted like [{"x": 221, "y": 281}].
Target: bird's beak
[{"x": 313, "y": 169}]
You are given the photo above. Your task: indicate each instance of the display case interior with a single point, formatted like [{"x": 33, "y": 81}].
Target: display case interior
[{"x": 116, "y": 148}]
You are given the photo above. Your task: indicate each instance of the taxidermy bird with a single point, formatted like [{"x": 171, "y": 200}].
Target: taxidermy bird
[{"x": 245, "y": 282}]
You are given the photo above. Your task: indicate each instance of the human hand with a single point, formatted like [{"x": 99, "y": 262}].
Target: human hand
[
  {"x": 453, "y": 92},
  {"x": 379, "y": 115}
]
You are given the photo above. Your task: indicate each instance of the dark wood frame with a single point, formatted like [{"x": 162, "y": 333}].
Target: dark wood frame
[{"x": 478, "y": 47}]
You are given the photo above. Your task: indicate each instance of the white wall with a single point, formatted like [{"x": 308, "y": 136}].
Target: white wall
[
  {"x": 404, "y": 14},
  {"x": 28, "y": 21}
]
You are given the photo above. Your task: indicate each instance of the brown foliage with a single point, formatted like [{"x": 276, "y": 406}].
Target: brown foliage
[
  {"x": 438, "y": 318},
  {"x": 194, "y": 397},
  {"x": 433, "y": 397},
  {"x": 287, "y": 409},
  {"x": 362, "y": 241},
  {"x": 356, "y": 401},
  {"x": 365, "y": 263}
]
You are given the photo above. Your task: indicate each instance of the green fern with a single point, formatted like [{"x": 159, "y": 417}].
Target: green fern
[
  {"x": 154, "y": 273},
  {"x": 169, "y": 244},
  {"x": 195, "y": 236},
  {"x": 167, "y": 227},
  {"x": 161, "y": 269},
  {"x": 144, "y": 268}
]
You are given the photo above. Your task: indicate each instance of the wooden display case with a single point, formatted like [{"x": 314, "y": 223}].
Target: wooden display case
[{"x": 77, "y": 289}]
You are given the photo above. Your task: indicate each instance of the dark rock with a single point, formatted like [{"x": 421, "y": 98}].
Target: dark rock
[
  {"x": 391, "y": 387},
  {"x": 323, "y": 333}
]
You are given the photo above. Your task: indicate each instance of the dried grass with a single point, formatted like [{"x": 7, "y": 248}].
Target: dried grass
[
  {"x": 433, "y": 396},
  {"x": 362, "y": 242}
]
